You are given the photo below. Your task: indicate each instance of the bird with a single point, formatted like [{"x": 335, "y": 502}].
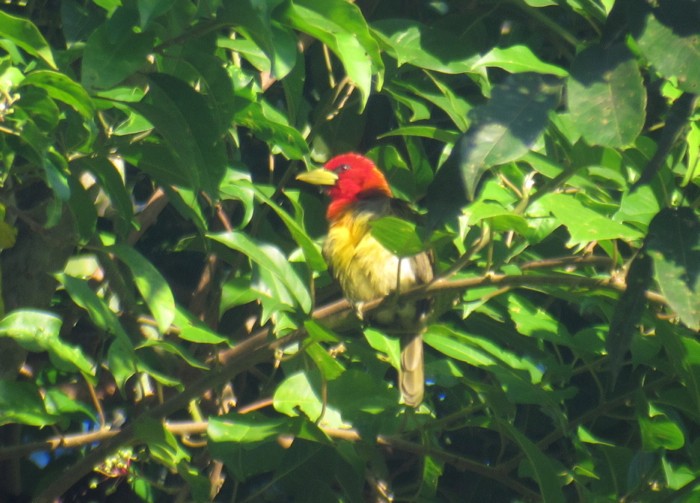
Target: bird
[{"x": 366, "y": 270}]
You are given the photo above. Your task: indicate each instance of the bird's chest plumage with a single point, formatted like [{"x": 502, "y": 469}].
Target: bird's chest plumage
[{"x": 365, "y": 269}]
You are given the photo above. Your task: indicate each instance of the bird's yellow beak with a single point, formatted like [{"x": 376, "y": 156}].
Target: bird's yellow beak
[{"x": 320, "y": 176}]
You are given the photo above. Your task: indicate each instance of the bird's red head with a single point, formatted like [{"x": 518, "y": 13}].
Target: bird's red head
[{"x": 357, "y": 178}]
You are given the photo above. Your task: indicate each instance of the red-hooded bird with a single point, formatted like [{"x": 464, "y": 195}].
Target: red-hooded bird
[{"x": 366, "y": 270}]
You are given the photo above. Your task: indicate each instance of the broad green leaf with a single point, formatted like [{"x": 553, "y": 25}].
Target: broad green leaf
[
  {"x": 57, "y": 402},
  {"x": 20, "y": 402},
  {"x": 151, "y": 9},
  {"x": 357, "y": 391},
  {"x": 162, "y": 444},
  {"x": 276, "y": 265},
  {"x": 312, "y": 254},
  {"x": 319, "y": 333},
  {"x": 457, "y": 346},
  {"x": 38, "y": 331},
  {"x": 174, "y": 349},
  {"x": 628, "y": 312},
  {"x": 110, "y": 57},
  {"x": 341, "y": 26},
  {"x": 427, "y": 86},
  {"x": 408, "y": 39},
  {"x": 606, "y": 96},
  {"x": 673, "y": 244},
  {"x": 122, "y": 362},
  {"x": 584, "y": 435},
  {"x": 111, "y": 182},
  {"x": 100, "y": 313},
  {"x": 150, "y": 283},
  {"x": 190, "y": 129},
  {"x": 236, "y": 292},
  {"x": 298, "y": 394},
  {"x": 60, "y": 87},
  {"x": 542, "y": 467},
  {"x": 506, "y": 127},
  {"x": 193, "y": 330},
  {"x": 533, "y": 321},
  {"x": 329, "y": 367},
  {"x": 434, "y": 133},
  {"x": 236, "y": 186},
  {"x": 518, "y": 59},
  {"x": 83, "y": 208},
  {"x": 669, "y": 37},
  {"x": 249, "y": 50},
  {"x": 26, "y": 35},
  {"x": 397, "y": 235},
  {"x": 246, "y": 429},
  {"x": 585, "y": 224},
  {"x": 386, "y": 345},
  {"x": 659, "y": 431},
  {"x": 254, "y": 20},
  {"x": 272, "y": 128}
]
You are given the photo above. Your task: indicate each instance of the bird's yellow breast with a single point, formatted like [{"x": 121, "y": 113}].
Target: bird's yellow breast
[{"x": 365, "y": 269}]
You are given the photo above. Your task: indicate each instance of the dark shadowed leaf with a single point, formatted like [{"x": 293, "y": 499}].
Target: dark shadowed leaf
[
  {"x": 674, "y": 247},
  {"x": 606, "y": 96},
  {"x": 669, "y": 36},
  {"x": 506, "y": 127}
]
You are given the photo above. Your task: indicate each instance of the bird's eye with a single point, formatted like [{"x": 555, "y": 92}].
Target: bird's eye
[{"x": 341, "y": 169}]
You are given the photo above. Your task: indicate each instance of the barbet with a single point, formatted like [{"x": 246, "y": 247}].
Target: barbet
[{"x": 366, "y": 270}]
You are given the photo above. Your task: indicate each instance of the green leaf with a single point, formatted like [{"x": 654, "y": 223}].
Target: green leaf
[
  {"x": 542, "y": 467},
  {"x": 341, "y": 26},
  {"x": 57, "y": 402},
  {"x": 111, "y": 182},
  {"x": 246, "y": 429},
  {"x": 518, "y": 59},
  {"x": 606, "y": 96},
  {"x": 673, "y": 244},
  {"x": 457, "y": 345},
  {"x": 83, "y": 209},
  {"x": 434, "y": 133},
  {"x": 38, "y": 331},
  {"x": 297, "y": 394},
  {"x": 150, "y": 283},
  {"x": 311, "y": 251},
  {"x": 628, "y": 312},
  {"x": 189, "y": 127},
  {"x": 386, "y": 345},
  {"x": 20, "y": 402},
  {"x": 109, "y": 57},
  {"x": 26, "y": 35},
  {"x": 162, "y": 444},
  {"x": 533, "y": 321},
  {"x": 193, "y": 330},
  {"x": 658, "y": 431},
  {"x": 329, "y": 367},
  {"x": 273, "y": 128},
  {"x": 669, "y": 37},
  {"x": 253, "y": 19},
  {"x": 397, "y": 235},
  {"x": 60, "y": 87},
  {"x": 506, "y": 127},
  {"x": 98, "y": 310},
  {"x": 584, "y": 224},
  {"x": 274, "y": 263},
  {"x": 174, "y": 349},
  {"x": 422, "y": 45},
  {"x": 427, "y": 86}
]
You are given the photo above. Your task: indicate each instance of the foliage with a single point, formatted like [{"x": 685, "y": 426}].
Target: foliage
[{"x": 167, "y": 310}]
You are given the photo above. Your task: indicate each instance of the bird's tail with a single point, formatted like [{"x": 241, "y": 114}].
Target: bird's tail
[{"x": 411, "y": 376}]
